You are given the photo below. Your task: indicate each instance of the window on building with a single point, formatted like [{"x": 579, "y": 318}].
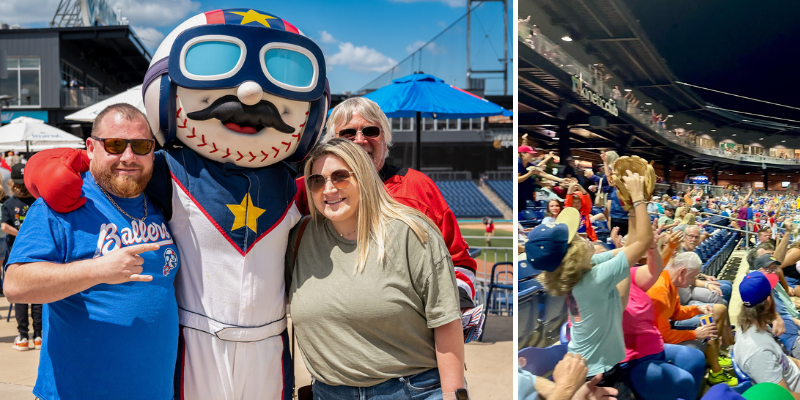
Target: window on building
[
  {"x": 471, "y": 124},
  {"x": 428, "y": 124},
  {"x": 23, "y": 82}
]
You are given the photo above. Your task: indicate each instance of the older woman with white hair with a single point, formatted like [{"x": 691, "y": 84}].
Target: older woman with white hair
[
  {"x": 374, "y": 299},
  {"x": 361, "y": 121}
]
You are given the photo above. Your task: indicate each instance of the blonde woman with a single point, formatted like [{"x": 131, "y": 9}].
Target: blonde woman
[
  {"x": 596, "y": 285},
  {"x": 374, "y": 299}
]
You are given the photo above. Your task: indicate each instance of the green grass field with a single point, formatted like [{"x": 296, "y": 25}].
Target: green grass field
[{"x": 501, "y": 238}]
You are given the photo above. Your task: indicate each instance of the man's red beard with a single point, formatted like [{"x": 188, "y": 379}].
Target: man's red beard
[{"x": 120, "y": 185}]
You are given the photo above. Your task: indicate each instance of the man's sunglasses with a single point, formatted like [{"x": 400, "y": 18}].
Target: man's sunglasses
[
  {"x": 367, "y": 131},
  {"x": 140, "y": 147},
  {"x": 339, "y": 178}
]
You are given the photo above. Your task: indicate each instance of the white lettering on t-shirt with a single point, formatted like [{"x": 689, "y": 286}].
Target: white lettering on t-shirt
[{"x": 112, "y": 238}]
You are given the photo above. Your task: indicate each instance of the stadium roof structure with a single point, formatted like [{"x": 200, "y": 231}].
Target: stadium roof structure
[
  {"x": 613, "y": 35},
  {"x": 610, "y": 33}
]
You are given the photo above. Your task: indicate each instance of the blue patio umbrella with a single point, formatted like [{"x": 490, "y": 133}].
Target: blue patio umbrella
[{"x": 421, "y": 95}]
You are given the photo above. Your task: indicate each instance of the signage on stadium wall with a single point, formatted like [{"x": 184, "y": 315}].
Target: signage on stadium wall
[
  {"x": 582, "y": 89},
  {"x": 7, "y": 116}
]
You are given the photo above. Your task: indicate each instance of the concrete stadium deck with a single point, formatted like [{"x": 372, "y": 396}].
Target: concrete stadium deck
[{"x": 490, "y": 363}]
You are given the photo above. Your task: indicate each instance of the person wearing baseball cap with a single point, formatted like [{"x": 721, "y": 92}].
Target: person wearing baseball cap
[
  {"x": 758, "y": 353},
  {"x": 784, "y": 321},
  {"x": 597, "y": 285}
]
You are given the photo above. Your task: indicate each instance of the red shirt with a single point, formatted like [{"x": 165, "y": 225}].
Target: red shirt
[{"x": 414, "y": 189}]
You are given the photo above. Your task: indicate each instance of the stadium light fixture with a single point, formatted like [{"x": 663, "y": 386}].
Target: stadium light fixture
[
  {"x": 669, "y": 116},
  {"x": 648, "y": 104},
  {"x": 713, "y": 130},
  {"x": 688, "y": 123},
  {"x": 761, "y": 138},
  {"x": 566, "y": 38},
  {"x": 733, "y": 135}
]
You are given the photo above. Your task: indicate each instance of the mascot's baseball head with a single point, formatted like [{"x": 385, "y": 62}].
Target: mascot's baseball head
[{"x": 239, "y": 86}]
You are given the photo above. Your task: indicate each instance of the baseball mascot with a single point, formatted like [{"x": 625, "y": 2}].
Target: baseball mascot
[{"x": 231, "y": 95}]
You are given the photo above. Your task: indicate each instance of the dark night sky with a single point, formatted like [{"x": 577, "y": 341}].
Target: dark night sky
[{"x": 751, "y": 48}]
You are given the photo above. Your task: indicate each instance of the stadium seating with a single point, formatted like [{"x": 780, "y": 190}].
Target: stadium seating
[
  {"x": 541, "y": 361},
  {"x": 505, "y": 190},
  {"x": 466, "y": 200}
]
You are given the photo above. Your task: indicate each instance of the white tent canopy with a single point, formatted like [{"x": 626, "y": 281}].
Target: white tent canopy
[
  {"x": 132, "y": 96},
  {"x": 31, "y": 134}
]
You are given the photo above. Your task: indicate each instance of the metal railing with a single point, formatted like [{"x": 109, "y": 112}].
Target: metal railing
[
  {"x": 79, "y": 98},
  {"x": 448, "y": 175},
  {"x": 596, "y": 80},
  {"x": 505, "y": 275}
]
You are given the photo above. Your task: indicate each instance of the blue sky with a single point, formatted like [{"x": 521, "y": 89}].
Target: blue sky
[{"x": 358, "y": 38}]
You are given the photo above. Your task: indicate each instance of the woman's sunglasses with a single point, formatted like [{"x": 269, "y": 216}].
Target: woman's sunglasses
[
  {"x": 367, "y": 131},
  {"x": 339, "y": 178},
  {"x": 140, "y": 147}
]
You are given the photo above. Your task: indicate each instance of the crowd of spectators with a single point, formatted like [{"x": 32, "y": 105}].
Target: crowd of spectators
[{"x": 645, "y": 317}]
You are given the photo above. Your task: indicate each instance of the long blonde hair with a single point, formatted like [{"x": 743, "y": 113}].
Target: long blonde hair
[
  {"x": 569, "y": 273},
  {"x": 376, "y": 208}
]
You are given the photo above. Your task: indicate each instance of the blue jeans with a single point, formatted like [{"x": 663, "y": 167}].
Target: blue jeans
[
  {"x": 792, "y": 281},
  {"x": 689, "y": 324},
  {"x": 422, "y": 386},
  {"x": 675, "y": 373}
]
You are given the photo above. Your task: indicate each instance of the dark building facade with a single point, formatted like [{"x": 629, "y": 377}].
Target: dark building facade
[{"x": 53, "y": 72}]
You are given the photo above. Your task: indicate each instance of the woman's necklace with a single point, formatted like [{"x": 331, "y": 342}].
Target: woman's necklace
[
  {"x": 348, "y": 234},
  {"x": 120, "y": 208}
]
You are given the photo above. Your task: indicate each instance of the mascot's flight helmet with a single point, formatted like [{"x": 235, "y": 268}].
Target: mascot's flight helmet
[{"x": 253, "y": 52}]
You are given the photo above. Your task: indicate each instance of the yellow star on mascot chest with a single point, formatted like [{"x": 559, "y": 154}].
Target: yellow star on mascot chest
[{"x": 246, "y": 214}]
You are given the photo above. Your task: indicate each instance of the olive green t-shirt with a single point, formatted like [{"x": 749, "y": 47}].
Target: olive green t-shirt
[{"x": 361, "y": 329}]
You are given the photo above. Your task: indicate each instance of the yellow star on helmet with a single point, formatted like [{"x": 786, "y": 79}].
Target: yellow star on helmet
[
  {"x": 253, "y": 16},
  {"x": 246, "y": 214}
]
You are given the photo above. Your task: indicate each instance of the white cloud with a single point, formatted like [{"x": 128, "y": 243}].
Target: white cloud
[
  {"x": 147, "y": 13},
  {"x": 156, "y": 12},
  {"x": 361, "y": 59},
  {"x": 150, "y": 36},
  {"x": 27, "y": 13},
  {"x": 327, "y": 38},
  {"x": 432, "y": 48},
  {"x": 451, "y": 3}
]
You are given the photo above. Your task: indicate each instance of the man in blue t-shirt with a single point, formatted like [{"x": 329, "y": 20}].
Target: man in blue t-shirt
[{"x": 105, "y": 273}]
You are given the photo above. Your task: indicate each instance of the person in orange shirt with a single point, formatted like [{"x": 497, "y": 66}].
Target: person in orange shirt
[
  {"x": 582, "y": 201},
  {"x": 667, "y": 306}
]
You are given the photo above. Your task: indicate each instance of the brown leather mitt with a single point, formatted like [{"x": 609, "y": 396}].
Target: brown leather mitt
[{"x": 636, "y": 165}]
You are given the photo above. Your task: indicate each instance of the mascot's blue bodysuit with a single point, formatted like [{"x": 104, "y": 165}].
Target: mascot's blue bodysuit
[{"x": 231, "y": 95}]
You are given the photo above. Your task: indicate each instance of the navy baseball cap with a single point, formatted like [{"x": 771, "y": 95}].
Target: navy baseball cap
[
  {"x": 756, "y": 287},
  {"x": 548, "y": 243}
]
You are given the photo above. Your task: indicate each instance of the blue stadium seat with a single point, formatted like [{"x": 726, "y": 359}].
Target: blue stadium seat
[
  {"x": 744, "y": 380},
  {"x": 504, "y": 190},
  {"x": 466, "y": 200},
  {"x": 541, "y": 361}
]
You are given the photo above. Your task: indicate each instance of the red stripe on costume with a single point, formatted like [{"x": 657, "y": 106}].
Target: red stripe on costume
[
  {"x": 215, "y": 17},
  {"x": 289, "y": 27},
  {"x": 286, "y": 211},
  {"x": 213, "y": 222}
]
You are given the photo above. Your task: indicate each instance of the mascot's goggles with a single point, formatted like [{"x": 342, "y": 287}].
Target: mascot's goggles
[{"x": 219, "y": 56}]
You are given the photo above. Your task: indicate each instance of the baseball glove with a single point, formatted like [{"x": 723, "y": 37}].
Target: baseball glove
[{"x": 634, "y": 164}]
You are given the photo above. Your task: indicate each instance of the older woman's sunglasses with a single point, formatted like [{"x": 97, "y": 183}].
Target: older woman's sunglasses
[
  {"x": 140, "y": 147},
  {"x": 339, "y": 178},
  {"x": 367, "y": 131}
]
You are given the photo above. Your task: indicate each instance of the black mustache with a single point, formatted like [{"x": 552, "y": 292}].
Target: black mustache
[{"x": 229, "y": 108}]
